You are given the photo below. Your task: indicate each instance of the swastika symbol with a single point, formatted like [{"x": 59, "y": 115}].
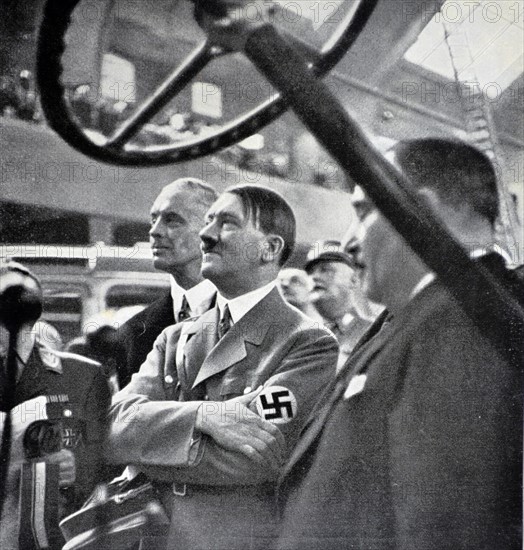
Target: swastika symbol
[
  {"x": 70, "y": 438},
  {"x": 277, "y": 405}
]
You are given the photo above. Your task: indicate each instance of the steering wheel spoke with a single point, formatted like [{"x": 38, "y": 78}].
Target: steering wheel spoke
[
  {"x": 312, "y": 56},
  {"x": 176, "y": 81},
  {"x": 120, "y": 140}
]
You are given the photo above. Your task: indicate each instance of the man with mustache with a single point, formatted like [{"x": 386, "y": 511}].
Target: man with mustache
[
  {"x": 418, "y": 442},
  {"x": 176, "y": 218},
  {"x": 220, "y": 401}
]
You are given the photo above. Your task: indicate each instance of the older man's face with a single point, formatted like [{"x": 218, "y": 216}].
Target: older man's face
[
  {"x": 333, "y": 283},
  {"x": 176, "y": 219},
  {"x": 295, "y": 286}
]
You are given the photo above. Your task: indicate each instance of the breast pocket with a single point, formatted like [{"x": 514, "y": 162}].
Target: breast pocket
[{"x": 233, "y": 387}]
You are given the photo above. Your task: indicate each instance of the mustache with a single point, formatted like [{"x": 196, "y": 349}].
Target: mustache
[{"x": 208, "y": 246}]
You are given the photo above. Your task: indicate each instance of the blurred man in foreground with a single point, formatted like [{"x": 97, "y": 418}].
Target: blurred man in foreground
[
  {"x": 176, "y": 219},
  {"x": 58, "y": 410},
  {"x": 195, "y": 424},
  {"x": 418, "y": 444}
]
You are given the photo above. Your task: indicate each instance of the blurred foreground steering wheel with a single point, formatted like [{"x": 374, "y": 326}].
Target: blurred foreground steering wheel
[
  {"x": 79, "y": 39},
  {"x": 288, "y": 61}
]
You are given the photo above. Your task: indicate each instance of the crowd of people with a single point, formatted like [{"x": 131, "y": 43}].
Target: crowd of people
[
  {"x": 348, "y": 404},
  {"x": 18, "y": 98}
]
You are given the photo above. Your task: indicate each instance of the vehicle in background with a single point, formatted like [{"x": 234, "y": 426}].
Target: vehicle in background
[{"x": 80, "y": 282}]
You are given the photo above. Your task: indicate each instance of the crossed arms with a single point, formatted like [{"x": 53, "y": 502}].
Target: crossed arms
[{"x": 218, "y": 442}]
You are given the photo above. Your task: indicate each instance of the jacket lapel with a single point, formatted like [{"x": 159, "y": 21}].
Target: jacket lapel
[
  {"x": 201, "y": 337},
  {"x": 380, "y": 336},
  {"x": 159, "y": 314},
  {"x": 232, "y": 347},
  {"x": 355, "y": 364}
]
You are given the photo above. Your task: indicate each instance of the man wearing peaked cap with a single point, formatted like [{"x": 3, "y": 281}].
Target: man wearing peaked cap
[{"x": 337, "y": 296}]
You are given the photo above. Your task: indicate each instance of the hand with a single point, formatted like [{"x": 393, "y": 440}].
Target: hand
[
  {"x": 66, "y": 461},
  {"x": 248, "y": 398},
  {"x": 233, "y": 426}
]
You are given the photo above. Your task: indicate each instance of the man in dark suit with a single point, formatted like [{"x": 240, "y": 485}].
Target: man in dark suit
[
  {"x": 418, "y": 443},
  {"x": 176, "y": 219},
  {"x": 191, "y": 418}
]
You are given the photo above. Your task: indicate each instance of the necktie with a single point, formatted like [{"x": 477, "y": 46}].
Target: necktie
[
  {"x": 225, "y": 323},
  {"x": 185, "y": 311},
  {"x": 333, "y": 327}
]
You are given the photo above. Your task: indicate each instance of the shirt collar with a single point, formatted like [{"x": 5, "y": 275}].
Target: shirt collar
[
  {"x": 240, "y": 305},
  {"x": 50, "y": 359},
  {"x": 422, "y": 284},
  {"x": 177, "y": 295},
  {"x": 495, "y": 249},
  {"x": 197, "y": 296}
]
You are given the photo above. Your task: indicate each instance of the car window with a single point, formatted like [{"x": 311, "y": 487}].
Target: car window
[
  {"x": 118, "y": 296},
  {"x": 63, "y": 308}
]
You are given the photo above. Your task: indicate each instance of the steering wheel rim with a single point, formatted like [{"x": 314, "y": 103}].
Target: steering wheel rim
[{"x": 51, "y": 45}]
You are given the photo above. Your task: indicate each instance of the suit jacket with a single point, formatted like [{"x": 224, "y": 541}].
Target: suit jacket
[
  {"x": 230, "y": 499},
  {"x": 139, "y": 333},
  {"x": 417, "y": 447}
]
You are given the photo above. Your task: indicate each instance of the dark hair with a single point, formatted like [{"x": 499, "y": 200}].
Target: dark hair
[
  {"x": 458, "y": 172},
  {"x": 270, "y": 213}
]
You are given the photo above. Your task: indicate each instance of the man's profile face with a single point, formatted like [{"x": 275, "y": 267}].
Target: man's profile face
[
  {"x": 176, "y": 219},
  {"x": 333, "y": 283},
  {"x": 382, "y": 251},
  {"x": 232, "y": 246},
  {"x": 295, "y": 286}
]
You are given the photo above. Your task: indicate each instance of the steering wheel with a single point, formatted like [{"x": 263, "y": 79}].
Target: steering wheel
[{"x": 63, "y": 35}]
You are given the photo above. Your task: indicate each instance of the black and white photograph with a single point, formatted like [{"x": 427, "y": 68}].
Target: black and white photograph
[{"x": 261, "y": 274}]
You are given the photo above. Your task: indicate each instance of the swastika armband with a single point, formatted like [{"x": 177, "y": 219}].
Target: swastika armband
[{"x": 277, "y": 405}]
